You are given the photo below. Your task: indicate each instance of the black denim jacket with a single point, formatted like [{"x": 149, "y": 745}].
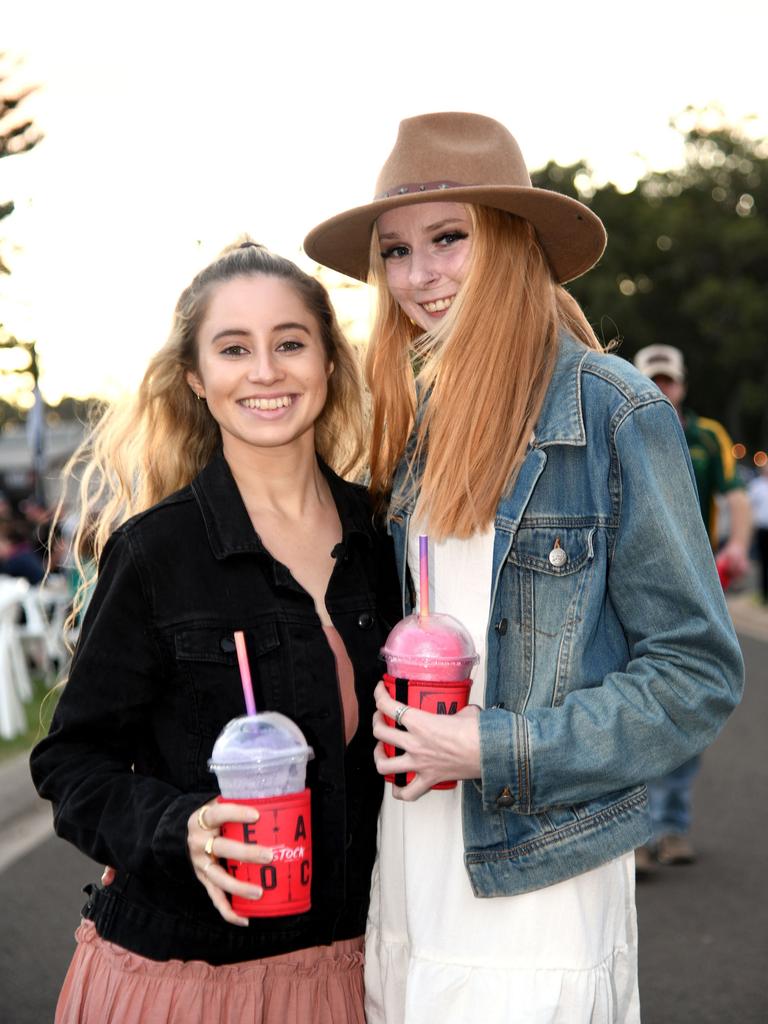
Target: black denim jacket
[{"x": 153, "y": 681}]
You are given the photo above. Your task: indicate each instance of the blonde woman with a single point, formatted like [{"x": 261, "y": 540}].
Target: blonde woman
[
  {"x": 213, "y": 506},
  {"x": 554, "y": 483}
]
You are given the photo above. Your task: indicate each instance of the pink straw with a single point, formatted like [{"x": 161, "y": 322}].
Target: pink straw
[
  {"x": 423, "y": 575},
  {"x": 245, "y": 672}
]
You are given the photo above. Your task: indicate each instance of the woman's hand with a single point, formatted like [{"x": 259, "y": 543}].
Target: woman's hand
[
  {"x": 204, "y": 826},
  {"x": 437, "y": 747}
]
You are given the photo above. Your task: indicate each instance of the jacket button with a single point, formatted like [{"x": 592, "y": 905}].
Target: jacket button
[
  {"x": 501, "y": 627},
  {"x": 365, "y": 620},
  {"x": 227, "y": 644},
  {"x": 505, "y": 798}
]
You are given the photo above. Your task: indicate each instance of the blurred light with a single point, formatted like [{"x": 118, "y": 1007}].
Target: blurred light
[
  {"x": 627, "y": 286},
  {"x": 664, "y": 242},
  {"x": 738, "y": 451},
  {"x": 746, "y": 203},
  {"x": 719, "y": 193},
  {"x": 644, "y": 284},
  {"x": 760, "y": 459}
]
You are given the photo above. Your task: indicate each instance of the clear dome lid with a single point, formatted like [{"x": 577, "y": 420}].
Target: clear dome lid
[
  {"x": 430, "y": 641},
  {"x": 261, "y": 739}
]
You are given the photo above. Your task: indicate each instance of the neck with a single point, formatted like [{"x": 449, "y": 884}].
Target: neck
[{"x": 281, "y": 481}]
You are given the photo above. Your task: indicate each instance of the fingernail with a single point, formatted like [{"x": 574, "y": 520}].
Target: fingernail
[
  {"x": 256, "y": 815},
  {"x": 255, "y": 894}
]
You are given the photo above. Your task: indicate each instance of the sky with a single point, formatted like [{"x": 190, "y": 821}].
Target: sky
[{"x": 173, "y": 127}]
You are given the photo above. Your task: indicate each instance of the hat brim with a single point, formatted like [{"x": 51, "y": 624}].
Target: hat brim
[{"x": 572, "y": 236}]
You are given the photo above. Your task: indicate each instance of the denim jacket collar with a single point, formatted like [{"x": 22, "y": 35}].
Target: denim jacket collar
[
  {"x": 228, "y": 525},
  {"x": 561, "y": 420}
]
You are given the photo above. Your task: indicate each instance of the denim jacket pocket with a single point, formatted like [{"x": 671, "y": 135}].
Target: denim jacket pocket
[{"x": 552, "y": 565}]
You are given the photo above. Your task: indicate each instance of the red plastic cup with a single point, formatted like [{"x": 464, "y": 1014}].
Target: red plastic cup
[
  {"x": 439, "y": 698},
  {"x": 285, "y": 825}
]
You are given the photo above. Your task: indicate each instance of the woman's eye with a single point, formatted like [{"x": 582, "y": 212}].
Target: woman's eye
[
  {"x": 450, "y": 237},
  {"x": 233, "y": 350},
  {"x": 290, "y": 346},
  {"x": 396, "y": 251}
]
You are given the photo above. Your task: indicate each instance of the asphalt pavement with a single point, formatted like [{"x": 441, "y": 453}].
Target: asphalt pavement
[{"x": 703, "y": 928}]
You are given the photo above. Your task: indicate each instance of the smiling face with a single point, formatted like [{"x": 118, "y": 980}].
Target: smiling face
[
  {"x": 425, "y": 248},
  {"x": 262, "y": 366}
]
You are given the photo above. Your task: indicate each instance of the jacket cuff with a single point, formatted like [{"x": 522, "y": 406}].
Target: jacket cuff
[
  {"x": 504, "y": 762},
  {"x": 169, "y": 843}
]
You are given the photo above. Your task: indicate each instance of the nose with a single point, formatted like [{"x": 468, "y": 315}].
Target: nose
[
  {"x": 264, "y": 366},
  {"x": 422, "y": 270}
]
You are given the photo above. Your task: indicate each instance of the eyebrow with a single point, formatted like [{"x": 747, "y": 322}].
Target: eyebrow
[
  {"x": 239, "y": 332},
  {"x": 429, "y": 227}
]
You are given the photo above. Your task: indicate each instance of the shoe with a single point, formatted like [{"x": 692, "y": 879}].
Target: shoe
[
  {"x": 674, "y": 849},
  {"x": 645, "y": 862}
]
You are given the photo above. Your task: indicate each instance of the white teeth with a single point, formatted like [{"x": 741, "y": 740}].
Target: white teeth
[
  {"x": 268, "y": 403},
  {"x": 438, "y": 305}
]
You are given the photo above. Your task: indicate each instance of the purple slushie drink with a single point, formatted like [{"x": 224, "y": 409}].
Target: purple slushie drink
[{"x": 261, "y": 760}]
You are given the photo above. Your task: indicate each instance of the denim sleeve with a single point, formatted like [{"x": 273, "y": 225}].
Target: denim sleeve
[
  {"x": 85, "y": 766},
  {"x": 685, "y": 672}
]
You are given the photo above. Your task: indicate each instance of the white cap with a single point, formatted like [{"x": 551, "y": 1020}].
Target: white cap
[{"x": 661, "y": 361}]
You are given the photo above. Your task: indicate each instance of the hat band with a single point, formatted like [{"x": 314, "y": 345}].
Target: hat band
[{"x": 426, "y": 186}]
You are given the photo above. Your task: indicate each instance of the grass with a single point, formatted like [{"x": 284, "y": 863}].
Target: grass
[{"x": 39, "y": 712}]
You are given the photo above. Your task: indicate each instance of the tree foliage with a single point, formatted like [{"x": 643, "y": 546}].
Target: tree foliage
[
  {"x": 18, "y": 133},
  {"x": 687, "y": 265}
]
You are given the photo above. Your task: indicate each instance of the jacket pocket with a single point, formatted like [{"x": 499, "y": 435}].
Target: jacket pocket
[
  {"x": 212, "y": 692},
  {"x": 552, "y": 565}
]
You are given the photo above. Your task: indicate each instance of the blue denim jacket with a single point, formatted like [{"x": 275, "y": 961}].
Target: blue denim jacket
[{"x": 608, "y": 669}]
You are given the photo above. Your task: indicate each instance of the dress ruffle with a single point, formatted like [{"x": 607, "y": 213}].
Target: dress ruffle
[{"x": 106, "y": 984}]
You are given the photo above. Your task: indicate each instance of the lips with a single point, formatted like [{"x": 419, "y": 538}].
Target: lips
[{"x": 263, "y": 404}]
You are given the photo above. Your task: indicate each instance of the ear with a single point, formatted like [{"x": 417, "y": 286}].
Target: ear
[
  {"x": 195, "y": 383},
  {"x": 330, "y": 368}
]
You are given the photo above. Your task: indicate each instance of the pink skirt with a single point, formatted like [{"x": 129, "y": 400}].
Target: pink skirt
[{"x": 106, "y": 984}]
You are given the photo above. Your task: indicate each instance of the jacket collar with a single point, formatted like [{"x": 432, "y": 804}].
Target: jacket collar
[
  {"x": 561, "y": 420},
  {"x": 228, "y": 525}
]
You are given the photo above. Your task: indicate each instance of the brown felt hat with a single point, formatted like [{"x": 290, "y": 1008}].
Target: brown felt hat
[{"x": 461, "y": 158}]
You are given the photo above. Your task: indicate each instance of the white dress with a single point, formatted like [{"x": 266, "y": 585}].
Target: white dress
[{"x": 435, "y": 954}]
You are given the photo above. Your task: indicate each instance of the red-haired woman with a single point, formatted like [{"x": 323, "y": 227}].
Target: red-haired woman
[{"x": 554, "y": 482}]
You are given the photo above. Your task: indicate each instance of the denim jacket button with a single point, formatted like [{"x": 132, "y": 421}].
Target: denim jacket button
[
  {"x": 365, "y": 620},
  {"x": 505, "y": 798},
  {"x": 557, "y": 556},
  {"x": 501, "y": 627},
  {"x": 227, "y": 644}
]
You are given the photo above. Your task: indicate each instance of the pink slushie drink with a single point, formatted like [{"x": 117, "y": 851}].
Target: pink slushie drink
[{"x": 429, "y": 661}]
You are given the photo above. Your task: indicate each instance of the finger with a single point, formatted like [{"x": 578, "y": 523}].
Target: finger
[
  {"x": 417, "y": 787},
  {"x": 389, "y": 734},
  {"x": 217, "y": 814},
  {"x": 233, "y": 849},
  {"x": 391, "y": 765},
  {"x": 108, "y": 875},
  {"x": 219, "y": 899}
]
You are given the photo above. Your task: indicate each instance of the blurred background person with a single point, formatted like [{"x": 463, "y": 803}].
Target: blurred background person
[
  {"x": 757, "y": 490},
  {"x": 714, "y": 468}
]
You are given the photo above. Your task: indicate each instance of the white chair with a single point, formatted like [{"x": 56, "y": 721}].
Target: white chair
[
  {"x": 46, "y": 606},
  {"x": 15, "y": 684}
]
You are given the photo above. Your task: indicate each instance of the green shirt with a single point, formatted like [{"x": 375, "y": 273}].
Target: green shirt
[{"x": 714, "y": 466}]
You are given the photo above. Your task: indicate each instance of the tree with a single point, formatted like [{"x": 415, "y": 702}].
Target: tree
[
  {"x": 17, "y": 133},
  {"x": 686, "y": 264}
]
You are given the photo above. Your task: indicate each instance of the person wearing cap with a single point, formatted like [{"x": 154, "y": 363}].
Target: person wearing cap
[
  {"x": 554, "y": 484},
  {"x": 714, "y": 467}
]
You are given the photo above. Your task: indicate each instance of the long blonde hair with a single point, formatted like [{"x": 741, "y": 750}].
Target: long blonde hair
[
  {"x": 145, "y": 448},
  {"x": 486, "y": 369}
]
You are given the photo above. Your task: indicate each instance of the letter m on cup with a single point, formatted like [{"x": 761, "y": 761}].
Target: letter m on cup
[{"x": 443, "y": 708}]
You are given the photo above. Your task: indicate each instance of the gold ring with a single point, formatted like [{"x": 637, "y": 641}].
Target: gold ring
[
  {"x": 209, "y": 846},
  {"x": 201, "y": 819},
  {"x": 399, "y": 712}
]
